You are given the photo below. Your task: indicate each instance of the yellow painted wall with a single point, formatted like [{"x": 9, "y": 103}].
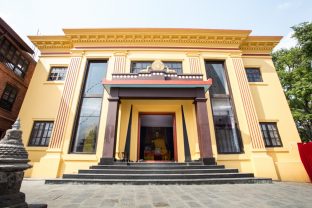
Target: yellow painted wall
[
  {"x": 41, "y": 103},
  {"x": 271, "y": 106}
]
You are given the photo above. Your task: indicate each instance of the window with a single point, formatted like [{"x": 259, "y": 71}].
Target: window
[
  {"x": 8, "y": 97},
  {"x": 12, "y": 58},
  {"x": 225, "y": 127},
  {"x": 226, "y": 130},
  {"x": 41, "y": 133},
  {"x": 1, "y": 134},
  {"x": 253, "y": 75},
  {"x": 270, "y": 135},
  {"x": 215, "y": 71},
  {"x": 173, "y": 65},
  {"x": 57, "y": 73},
  {"x": 88, "y": 119},
  {"x": 137, "y": 66}
]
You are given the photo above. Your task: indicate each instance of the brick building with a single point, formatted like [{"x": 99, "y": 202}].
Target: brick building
[{"x": 16, "y": 69}]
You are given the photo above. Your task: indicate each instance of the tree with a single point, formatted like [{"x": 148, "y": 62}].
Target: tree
[{"x": 294, "y": 67}]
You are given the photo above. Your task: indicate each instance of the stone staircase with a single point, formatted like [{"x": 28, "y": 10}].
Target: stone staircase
[{"x": 158, "y": 173}]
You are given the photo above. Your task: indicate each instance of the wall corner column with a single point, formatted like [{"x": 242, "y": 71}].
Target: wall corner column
[
  {"x": 263, "y": 164},
  {"x": 52, "y": 160}
]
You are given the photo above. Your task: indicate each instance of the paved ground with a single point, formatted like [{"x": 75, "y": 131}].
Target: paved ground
[{"x": 286, "y": 195}]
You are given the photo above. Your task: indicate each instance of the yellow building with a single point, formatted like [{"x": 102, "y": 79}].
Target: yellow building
[{"x": 103, "y": 95}]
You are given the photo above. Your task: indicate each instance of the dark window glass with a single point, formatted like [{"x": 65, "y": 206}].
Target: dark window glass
[
  {"x": 226, "y": 129},
  {"x": 13, "y": 59},
  {"x": 57, "y": 73},
  {"x": 1, "y": 134},
  {"x": 41, "y": 133},
  {"x": 96, "y": 74},
  {"x": 225, "y": 126},
  {"x": 253, "y": 75},
  {"x": 11, "y": 52},
  {"x": 215, "y": 71},
  {"x": 1, "y": 39},
  {"x": 87, "y": 123},
  {"x": 137, "y": 66},
  {"x": 5, "y": 47},
  {"x": 16, "y": 57},
  {"x": 173, "y": 65},
  {"x": 8, "y": 97},
  {"x": 270, "y": 135}
]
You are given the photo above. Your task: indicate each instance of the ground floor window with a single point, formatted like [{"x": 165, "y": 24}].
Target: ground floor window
[
  {"x": 41, "y": 133},
  {"x": 227, "y": 134},
  {"x": 270, "y": 134},
  {"x": 88, "y": 125}
]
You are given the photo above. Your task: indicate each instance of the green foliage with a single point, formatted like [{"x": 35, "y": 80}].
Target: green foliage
[
  {"x": 303, "y": 33},
  {"x": 294, "y": 67}
]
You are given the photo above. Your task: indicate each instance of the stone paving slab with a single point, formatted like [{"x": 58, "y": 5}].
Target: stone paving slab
[{"x": 278, "y": 194}]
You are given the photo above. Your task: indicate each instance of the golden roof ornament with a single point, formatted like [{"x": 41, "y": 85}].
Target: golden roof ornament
[{"x": 158, "y": 65}]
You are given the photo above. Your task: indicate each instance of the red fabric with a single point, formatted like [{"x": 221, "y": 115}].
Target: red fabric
[{"x": 305, "y": 151}]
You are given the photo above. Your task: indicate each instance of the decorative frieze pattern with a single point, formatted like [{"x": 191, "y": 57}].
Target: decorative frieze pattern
[
  {"x": 252, "y": 118},
  {"x": 164, "y": 74},
  {"x": 65, "y": 104},
  {"x": 120, "y": 63},
  {"x": 195, "y": 65}
]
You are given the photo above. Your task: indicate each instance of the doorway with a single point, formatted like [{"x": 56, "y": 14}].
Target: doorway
[{"x": 157, "y": 140}]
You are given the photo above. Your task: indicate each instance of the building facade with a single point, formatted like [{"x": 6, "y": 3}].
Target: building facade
[
  {"x": 16, "y": 69},
  {"x": 146, "y": 95}
]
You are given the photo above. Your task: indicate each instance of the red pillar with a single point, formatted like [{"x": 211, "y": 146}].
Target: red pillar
[
  {"x": 203, "y": 131},
  {"x": 110, "y": 131}
]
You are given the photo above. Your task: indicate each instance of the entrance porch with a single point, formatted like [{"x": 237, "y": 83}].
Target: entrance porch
[{"x": 158, "y": 93}]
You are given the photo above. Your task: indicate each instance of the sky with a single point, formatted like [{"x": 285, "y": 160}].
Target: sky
[{"x": 263, "y": 17}]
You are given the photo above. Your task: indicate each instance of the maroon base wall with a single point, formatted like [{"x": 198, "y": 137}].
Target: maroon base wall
[{"x": 305, "y": 151}]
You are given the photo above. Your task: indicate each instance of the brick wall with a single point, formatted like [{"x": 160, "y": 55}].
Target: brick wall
[{"x": 7, "y": 118}]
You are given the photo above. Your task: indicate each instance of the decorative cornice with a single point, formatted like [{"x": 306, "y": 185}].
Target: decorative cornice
[
  {"x": 160, "y": 37},
  {"x": 55, "y": 42},
  {"x": 259, "y": 44}
]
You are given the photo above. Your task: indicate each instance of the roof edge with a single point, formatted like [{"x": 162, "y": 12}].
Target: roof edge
[{"x": 20, "y": 42}]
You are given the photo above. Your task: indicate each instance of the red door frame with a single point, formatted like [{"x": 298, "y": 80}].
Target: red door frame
[{"x": 175, "y": 148}]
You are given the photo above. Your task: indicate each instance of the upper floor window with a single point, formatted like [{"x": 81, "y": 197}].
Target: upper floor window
[
  {"x": 8, "y": 97},
  {"x": 253, "y": 75},
  {"x": 215, "y": 71},
  {"x": 270, "y": 134},
  {"x": 57, "y": 73},
  {"x": 174, "y": 65},
  {"x": 13, "y": 58},
  {"x": 41, "y": 133},
  {"x": 137, "y": 66}
]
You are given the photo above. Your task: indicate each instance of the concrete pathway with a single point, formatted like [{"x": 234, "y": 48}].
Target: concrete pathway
[{"x": 278, "y": 194}]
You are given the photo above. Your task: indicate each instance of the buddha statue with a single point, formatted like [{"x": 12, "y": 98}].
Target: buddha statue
[{"x": 160, "y": 148}]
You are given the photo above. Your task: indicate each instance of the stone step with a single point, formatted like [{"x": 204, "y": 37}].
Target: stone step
[
  {"x": 159, "y": 176},
  {"x": 156, "y": 171},
  {"x": 159, "y": 163},
  {"x": 156, "y": 166},
  {"x": 245, "y": 180}
]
